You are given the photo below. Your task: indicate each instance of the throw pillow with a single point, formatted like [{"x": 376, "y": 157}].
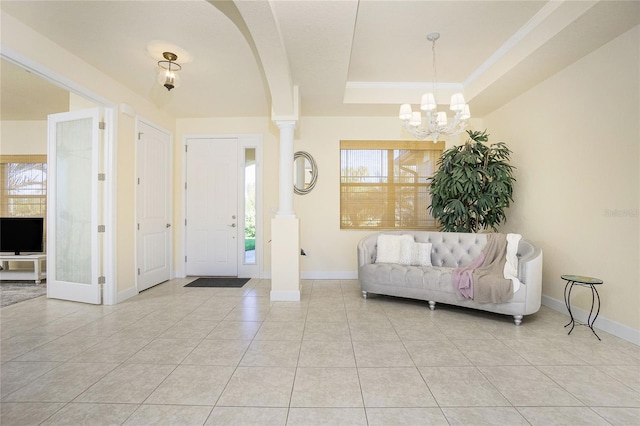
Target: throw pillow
[
  {"x": 423, "y": 254},
  {"x": 390, "y": 247},
  {"x": 408, "y": 253}
]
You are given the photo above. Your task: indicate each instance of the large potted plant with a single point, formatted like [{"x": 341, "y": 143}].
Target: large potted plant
[{"x": 473, "y": 185}]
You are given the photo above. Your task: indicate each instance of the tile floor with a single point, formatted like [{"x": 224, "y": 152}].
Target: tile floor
[{"x": 216, "y": 356}]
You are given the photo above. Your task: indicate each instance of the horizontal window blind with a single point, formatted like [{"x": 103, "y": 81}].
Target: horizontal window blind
[
  {"x": 23, "y": 181},
  {"x": 385, "y": 184}
]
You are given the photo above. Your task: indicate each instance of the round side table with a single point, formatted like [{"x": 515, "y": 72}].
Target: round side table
[{"x": 584, "y": 282}]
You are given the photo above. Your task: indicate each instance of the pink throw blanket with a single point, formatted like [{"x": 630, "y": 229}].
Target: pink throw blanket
[
  {"x": 462, "y": 278},
  {"x": 485, "y": 273}
]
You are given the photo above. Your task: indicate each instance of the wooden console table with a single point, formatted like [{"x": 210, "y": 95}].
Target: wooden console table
[{"x": 37, "y": 274}]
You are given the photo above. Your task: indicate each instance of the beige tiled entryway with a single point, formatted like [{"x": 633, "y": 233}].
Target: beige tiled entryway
[{"x": 217, "y": 356}]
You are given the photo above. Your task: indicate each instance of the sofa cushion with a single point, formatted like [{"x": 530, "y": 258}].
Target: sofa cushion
[{"x": 395, "y": 275}]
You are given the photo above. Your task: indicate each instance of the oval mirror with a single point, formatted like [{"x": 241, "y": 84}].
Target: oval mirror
[{"x": 305, "y": 172}]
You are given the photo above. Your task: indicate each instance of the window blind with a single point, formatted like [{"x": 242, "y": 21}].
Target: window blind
[
  {"x": 385, "y": 184},
  {"x": 23, "y": 181}
]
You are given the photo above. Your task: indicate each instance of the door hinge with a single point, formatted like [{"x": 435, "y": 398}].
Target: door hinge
[
  {"x": 140, "y": 135},
  {"x": 185, "y": 259},
  {"x": 102, "y": 177},
  {"x": 185, "y": 222},
  {"x": 186, "y": 148},
  {"x": 185, "y": 185},
  {"x": 138, "y": 271},
  {"x": 102, "y": 280},
  {"x": 138, "y": 181},
  {"x": 102, "y": 125},
  {"x": 102, "y": 228},
  {"x": 138, "y": 226}
]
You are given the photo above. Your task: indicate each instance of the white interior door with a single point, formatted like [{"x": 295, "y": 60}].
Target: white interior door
[
  {"x": 153, "y": 210},
  {"x": 73, "y": 251},
  {"x": 212, "y": 207}
]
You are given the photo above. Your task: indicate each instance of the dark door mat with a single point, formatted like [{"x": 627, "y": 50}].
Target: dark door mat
[{"x": 219, "y": 282}]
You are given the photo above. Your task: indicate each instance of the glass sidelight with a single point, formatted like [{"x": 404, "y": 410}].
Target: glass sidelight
[{"x": 250, "y": 206}]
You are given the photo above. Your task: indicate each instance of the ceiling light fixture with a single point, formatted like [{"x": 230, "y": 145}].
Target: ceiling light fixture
[
  {"x": 435, "y": 123},
  {"x": 168, "y": 68}
]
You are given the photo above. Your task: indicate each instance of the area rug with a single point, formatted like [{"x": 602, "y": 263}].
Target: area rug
[
  {"x": 12, "y": 292},
  {"x": 218, "y": 282}
]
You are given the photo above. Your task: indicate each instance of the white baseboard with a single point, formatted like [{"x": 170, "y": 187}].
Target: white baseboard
[
  {"x": 126, "y": 294},
  {"x": 329, "y": 275},
  {"x": 320, "y": 275},
  {"x": 285, "y": 296},
  {"x": 612, "y": 327}
]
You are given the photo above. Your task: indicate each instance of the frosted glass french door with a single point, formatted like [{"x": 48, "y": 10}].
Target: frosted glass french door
[{"x": 72, "y": 206}]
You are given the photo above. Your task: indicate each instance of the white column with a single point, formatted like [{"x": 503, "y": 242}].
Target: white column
[
  {"x": 285, "y": 259},
  {"x": 287, "y": 128},
  {"x": 285, "y": 227}
]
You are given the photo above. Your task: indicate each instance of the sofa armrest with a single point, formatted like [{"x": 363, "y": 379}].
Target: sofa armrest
[
  {"x": 530, "y": 274},
  {"x": 367, "y": 250}
]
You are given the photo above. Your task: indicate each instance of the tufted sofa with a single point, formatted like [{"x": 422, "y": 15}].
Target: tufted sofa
[{"x": 449, "y": 251}]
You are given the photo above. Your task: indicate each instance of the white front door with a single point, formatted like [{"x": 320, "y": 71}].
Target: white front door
[
  {"x": 153, "y": 199},
  {"x": 73, "y": 246},
  {"x": 212, "y": 207}
]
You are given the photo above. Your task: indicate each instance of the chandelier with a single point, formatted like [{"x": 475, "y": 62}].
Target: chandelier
[
  {"x": 435, "y": 123},
  {"x": 168, "y": 68}
]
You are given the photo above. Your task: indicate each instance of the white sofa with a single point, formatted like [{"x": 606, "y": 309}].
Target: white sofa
[{"x": 449, "y": 251}]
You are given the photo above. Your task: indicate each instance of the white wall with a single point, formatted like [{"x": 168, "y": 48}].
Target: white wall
[{"x": 576, "y": 140}]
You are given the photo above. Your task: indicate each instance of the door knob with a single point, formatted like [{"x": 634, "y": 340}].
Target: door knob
[
  {"x": 233, "y": 225},
  {"x": 168, "y": 225}
]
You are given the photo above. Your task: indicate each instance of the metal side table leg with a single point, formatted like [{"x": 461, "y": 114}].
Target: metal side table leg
[
  {"x": 594, "y": 294},
  {"x": 573, "y": 320}
]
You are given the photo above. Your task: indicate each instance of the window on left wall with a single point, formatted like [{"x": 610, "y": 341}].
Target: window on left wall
[{"x": 23, "y": 181}]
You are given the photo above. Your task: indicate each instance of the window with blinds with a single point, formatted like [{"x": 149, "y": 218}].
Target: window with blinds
[
  {"x": 385, "y": 184},
  {"x": 23, "y": 179}
]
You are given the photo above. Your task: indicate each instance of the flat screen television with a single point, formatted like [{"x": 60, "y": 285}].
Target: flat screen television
[{"x": 21, "y": 235}]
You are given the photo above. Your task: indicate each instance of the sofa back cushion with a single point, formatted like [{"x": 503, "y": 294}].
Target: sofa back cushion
[
  {"x": 448, "y": 249},
  {"x": 453, "y": 250}
]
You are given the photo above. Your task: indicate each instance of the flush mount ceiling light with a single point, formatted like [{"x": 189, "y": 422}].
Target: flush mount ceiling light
[
  {"x": 168, "y": 68},
  {"x": 435, "y": 123}
]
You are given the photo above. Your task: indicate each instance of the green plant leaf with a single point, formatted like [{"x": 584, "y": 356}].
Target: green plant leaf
[{"x": 473, "y": 185}]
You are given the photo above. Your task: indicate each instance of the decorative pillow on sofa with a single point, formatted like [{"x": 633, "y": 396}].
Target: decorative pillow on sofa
[
  {"x": 408, "y": 251},
  {"x": 390, "y": 247},
  {"x": 423, "y": 254}
]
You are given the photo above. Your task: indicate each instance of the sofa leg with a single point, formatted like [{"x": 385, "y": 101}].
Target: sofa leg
[
  {"x": 517, "y": 319},
  {"x": 432, "y": 305},
  {"x": 364, "y": 294}
]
